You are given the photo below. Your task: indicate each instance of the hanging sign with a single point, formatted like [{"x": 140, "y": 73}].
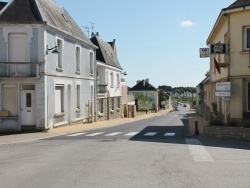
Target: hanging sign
[
  {"x": 218, "y": 48},
  {"x": 204, "y": 52}
]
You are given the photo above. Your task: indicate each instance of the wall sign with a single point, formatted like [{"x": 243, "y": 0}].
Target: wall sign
[{"x": 218, "y": 48}]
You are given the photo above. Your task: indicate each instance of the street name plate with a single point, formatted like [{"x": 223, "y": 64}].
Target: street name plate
[{"x": 222, "y": 94}]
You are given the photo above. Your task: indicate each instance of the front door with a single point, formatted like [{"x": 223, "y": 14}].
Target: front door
[{"x": 28, "y": 113}]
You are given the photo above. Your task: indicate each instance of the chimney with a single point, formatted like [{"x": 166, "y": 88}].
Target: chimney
[
  {"x": 138, "y": 81},
  {"x": 147, "y": 80},
  {"x": 92, "y": 34},
  {"x": 97, "y": 34}
]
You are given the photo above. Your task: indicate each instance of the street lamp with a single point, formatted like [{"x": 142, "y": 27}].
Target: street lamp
[{"x": 55, "y": 50}]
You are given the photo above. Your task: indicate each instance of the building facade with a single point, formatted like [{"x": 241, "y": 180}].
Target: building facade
[
  {"x": 232, "y": 29},
  {"x": 47, "y": 67}
]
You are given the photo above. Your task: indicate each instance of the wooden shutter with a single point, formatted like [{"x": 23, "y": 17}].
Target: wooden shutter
[{"x": 58, "y": 99}]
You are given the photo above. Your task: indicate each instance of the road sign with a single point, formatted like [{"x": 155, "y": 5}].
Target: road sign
[
  {"x": 223, "y": 94},
  {"x": 223, "y": 86},
  {"x": 204, "y": 52}
]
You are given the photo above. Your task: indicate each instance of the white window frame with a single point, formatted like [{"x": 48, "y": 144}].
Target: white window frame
[
  {"x": 5, "y": 102},
  {"x": 59, "y": 43},
  {"x": 78, "y": 58},
  {"x": 246, "y": 34},
  {"x": 118, "y": 80},
  {"x": 248, "y": 95},
  {"x": 111, "y": 79},
  {"x": 62, "y": 105},
  {"x": 78, "y": 97},
  {"x": 91, "y": 63}
]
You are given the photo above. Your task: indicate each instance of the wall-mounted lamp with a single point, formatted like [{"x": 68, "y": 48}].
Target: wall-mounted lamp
[
  {"x": 124, "y": 73},
  {"x": 55, "y": 50}
]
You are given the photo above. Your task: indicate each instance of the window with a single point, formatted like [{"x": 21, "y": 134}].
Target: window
[
  {"x": 112, "y": 103},
  {"x": 9, "y": 99},
  {"x": 59, "y": 60},
  {"x": 118, "y": 102},
  {"x": 101, "y": 105},
  {"x": 111, "y": 79},
  {"x": 118, "y": 80},
  {"x": 91, "y": 63},
  {"x": 78, "y": 96},
  {"x": 247, "y": 38},
  {"x": 78, "y": 60},
  {"x": 248, "y": 96},
  {"x": 107, "y": 78},
  {"x": 59, "y": 99}
]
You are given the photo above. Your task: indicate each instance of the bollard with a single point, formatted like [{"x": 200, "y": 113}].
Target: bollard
[{"x": 196, "y": 131}]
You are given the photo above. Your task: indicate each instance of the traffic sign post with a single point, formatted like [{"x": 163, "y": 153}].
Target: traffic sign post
[{"x": 223, "y": 90}]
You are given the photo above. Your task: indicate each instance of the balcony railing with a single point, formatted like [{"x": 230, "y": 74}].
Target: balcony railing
[
  {"x": 102, "y": 88},
  {"x": 19, "y": 69},
  {"x": 128, "y": 99}
]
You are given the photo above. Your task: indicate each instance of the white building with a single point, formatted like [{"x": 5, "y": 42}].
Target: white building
[{"x": 40, "y": 89}]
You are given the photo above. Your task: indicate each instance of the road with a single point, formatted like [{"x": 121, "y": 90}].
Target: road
[{"x": 154, "y": 152}]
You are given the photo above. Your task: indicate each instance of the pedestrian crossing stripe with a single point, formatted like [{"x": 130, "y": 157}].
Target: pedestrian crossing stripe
[
  {"x": 117, "y": 133},
  {"x": 131, "y": 134},
  {"x": 77, "y": 134},
  {"x": 169, "y": 134},
  {"x": 95, "y": 134},
  {"x": 150, "y": 134},
  {"x": 113, "y": 134}
]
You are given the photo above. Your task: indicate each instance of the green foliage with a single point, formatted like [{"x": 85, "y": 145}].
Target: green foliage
[{"x": 144, "y": 102}]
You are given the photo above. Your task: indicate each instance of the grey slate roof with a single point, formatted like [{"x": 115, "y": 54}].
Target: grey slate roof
[
  {"x": 105, "y": 53},
  {"x": 143, "y": 87},
  {"x": 2, "y": 4},
  {"x": 238, "y": 4},
  {"x": 42, "y": 11}
]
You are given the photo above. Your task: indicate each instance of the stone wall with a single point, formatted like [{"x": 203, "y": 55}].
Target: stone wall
[{"x": 238, "y": 133}]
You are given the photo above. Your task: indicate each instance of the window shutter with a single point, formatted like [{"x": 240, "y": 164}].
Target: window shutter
[
  {"x": 58, "y": 100},
  {"x": 10, "y": 99}
]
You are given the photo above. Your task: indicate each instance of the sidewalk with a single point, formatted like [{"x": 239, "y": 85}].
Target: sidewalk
[{"x": 26, "y": 137}]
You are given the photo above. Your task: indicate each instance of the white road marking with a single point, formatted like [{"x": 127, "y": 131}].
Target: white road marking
[
  {"x": 150, "y": 134},
  {"x": 77, "y": 134},
  {"x": 169, "y": 134},
  {"x": 131, "y": 134},
  {"x": 198, "y": 151},
  {"x": 113, "y": 134},
  {"x": 95, "y": 134}
]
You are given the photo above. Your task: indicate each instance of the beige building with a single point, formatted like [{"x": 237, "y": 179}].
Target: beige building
[{"x": 232, "y": 28}]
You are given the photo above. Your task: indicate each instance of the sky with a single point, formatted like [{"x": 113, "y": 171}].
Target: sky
[{"x": 155, "y": 39}]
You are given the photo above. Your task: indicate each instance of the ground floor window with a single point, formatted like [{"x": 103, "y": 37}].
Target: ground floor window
[
  {"x": 101, "y": 105},
  {"x": 9, "y": 99},
  {"x": 59, "y": 99},
  {"x": 248, "y": 96}
]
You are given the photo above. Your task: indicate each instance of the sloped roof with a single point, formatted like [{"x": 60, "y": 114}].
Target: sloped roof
[
  {"x": 143, "y": 86},
  {"x": 42, "y": 11},
  {"x": 105, "y": 52},
  {"x": 238, "y": 4},
  {"x": 2, "y": 4}
]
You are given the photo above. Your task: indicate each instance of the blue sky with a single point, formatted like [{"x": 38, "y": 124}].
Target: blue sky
[{"x": 156, "y": 39}]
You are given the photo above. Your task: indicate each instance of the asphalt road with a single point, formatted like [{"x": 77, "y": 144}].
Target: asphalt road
[{"x": 154, "y": 152}]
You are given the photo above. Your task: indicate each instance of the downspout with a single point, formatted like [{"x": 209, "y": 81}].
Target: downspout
[{"x": 227, "y": 112}]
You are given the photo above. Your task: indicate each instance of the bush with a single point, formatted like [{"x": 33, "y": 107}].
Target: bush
[
  {"x": 246, "y": 125},
  {"x": 232, "y": 123},
  {"x": 216, "y": 123}
]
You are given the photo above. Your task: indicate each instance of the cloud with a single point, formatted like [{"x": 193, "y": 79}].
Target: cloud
[{"x": 186, "y": 23}]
